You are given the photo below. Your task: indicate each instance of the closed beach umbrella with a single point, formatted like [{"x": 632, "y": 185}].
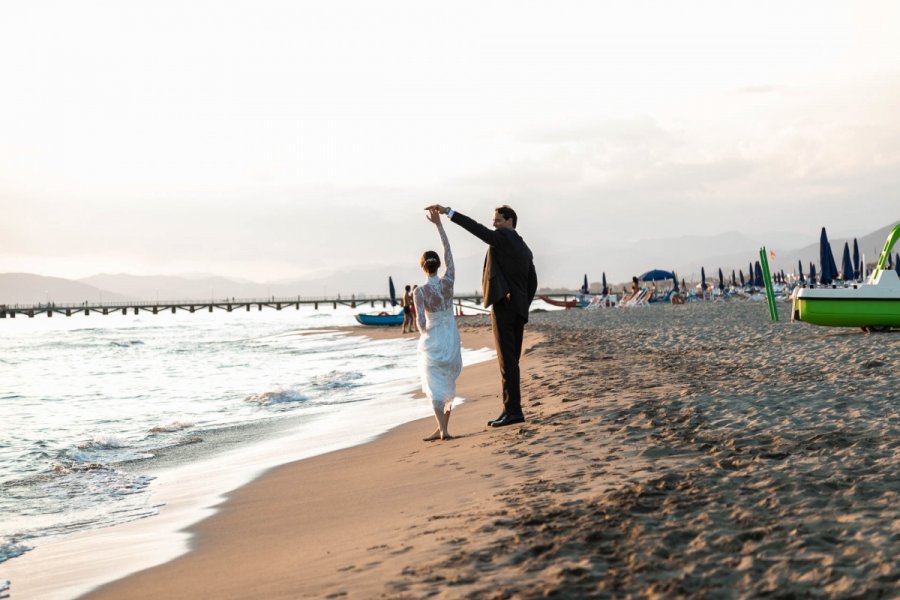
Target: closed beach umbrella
[
  {"x": 846, "y": 264},
  {"x": 741, "y": 275},
  {"x": 605, "y": 290},
  {"x": 391, "y": 292},
  {"x": 826, "y": 260},
  {"x": 683, "y": 286},
  {"x": 812, "y": 274},
  {"x": 702, "y": 279},
  {"x": 890, "y": 264},
  {"x": 721, "y": 280},
  {"x": 856, "y": 268},
  {"x": 584, "y": 286},
  {"x": 758, "y": 280},
  {"x": 897, "y": 263},
  {"x": 800, "y": 269},
  {"x": 675, "y": 282}
]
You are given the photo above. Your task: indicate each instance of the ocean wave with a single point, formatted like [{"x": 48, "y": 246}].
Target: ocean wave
[
  {"x": 276, "y": 397},
  {"x": 336, "y": 379},
  {"x": 127, "y": 344},
  {"x": 102, "y": 442},
  {"x": 171, "y": 427},
  {"x": 11, "y": 549}
]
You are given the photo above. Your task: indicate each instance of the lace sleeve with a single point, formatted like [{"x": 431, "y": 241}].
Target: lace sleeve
[
  {"x": 450, "y": 273},
  {"x": 419, "y": 301}
]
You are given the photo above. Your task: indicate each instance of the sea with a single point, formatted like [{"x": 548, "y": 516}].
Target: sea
[{"x": 98, "y": 412}]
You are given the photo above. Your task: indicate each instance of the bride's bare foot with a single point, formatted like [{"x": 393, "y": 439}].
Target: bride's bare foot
[
  {"x": 446, "y": 436},
  {"x": 434, "y": 436}
]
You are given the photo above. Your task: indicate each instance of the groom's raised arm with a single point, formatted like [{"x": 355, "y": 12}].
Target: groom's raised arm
[{"x": 486, "y": 235}]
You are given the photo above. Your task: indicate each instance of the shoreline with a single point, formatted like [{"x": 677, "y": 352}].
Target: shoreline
[
  {"x": 354, "y": 497},
  {"x": 191, "y": 492}
]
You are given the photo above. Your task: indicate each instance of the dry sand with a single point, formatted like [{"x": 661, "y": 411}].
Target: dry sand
[{"x": 693, "y": 451}]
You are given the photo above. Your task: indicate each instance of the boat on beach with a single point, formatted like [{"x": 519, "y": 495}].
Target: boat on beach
[
  {"x": 573, "y": 303},
  {"x": 873, "y": 305},
  {"x": 380, "y": 318}
]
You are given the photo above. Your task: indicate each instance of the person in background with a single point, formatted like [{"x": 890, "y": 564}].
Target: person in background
[{"x": 406, "y": 302}]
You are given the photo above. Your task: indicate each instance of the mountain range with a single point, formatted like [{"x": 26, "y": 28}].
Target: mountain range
[{"x": 564, "y": 269}]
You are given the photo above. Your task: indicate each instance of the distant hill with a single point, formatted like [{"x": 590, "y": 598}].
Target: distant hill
[
  {"x": 870, "y": 245},
  {"x": 25, "y": 288},
  {"x": 563, "y": 269},
  {"x": 170, "y": 287}
]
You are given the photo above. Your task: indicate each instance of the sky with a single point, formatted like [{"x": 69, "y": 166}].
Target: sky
[{"x": 272, "y": 140}]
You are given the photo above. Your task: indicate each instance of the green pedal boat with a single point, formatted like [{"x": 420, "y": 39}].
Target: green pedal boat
[{"x": 874, "y": 305}]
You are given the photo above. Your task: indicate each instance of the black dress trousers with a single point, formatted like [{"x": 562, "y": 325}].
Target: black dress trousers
[{"x": 509, "y": 329}]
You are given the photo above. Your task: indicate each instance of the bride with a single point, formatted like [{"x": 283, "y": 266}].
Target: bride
[{"x": 440, "y": 360}]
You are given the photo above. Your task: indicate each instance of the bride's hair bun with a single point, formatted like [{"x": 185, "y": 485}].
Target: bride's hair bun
[{"x": 430, "y": 262}]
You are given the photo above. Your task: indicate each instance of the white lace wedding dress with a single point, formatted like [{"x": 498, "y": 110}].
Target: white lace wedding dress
[{"x": 440, "y": 360}]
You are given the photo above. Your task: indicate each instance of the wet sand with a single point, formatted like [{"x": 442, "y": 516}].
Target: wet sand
[{"x": 693, "y": 451}]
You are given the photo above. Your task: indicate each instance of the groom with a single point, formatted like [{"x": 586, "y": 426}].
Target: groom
[{"x": 509, "y": 282}]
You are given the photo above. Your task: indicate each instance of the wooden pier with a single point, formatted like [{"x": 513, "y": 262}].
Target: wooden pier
[{"x": 192, "y": 306}]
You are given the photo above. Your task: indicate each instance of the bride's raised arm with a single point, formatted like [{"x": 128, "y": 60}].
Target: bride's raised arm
[{"x": 448, "y": 256}]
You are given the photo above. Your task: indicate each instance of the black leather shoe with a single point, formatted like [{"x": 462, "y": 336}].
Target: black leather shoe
[
  {"x": 507, "y": 420},
  {"x": 500, "y": 418}
]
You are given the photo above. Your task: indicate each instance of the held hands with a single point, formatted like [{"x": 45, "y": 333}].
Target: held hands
[
  {"x": 433, "y": 215},
  {"x": 441, "y": 209}
]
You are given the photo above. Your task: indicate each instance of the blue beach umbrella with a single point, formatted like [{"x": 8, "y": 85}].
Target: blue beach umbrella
[
  {"x": 675, "y": 282},
  {"x": 856, "y": 269},
  {"x": 702, "y": 279},
  {"x": 656, "y": 275},
  {"x": 826, "y": 260},
  {"x": 733, "y": 279},
  {"x": 605, "y": 290},
  {"x": 800, "y": 271},
  {"x": 391, "y": 292},
  {"x": 812, "y": 274},
  {"x": 584, "y": 286},
  {"x": 741, "y": 275},
  {"x": 721, "y": 281},
  {"x": 758, "y": 280},
  {"x": 897, "y": 263},
  {"x": 890, "y": 264},
  {"x": 846, "y": 264}
]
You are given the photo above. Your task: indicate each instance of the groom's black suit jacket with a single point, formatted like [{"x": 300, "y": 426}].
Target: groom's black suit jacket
[{"x": 509, "y": 274}]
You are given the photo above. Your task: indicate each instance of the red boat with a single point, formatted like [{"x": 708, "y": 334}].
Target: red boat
[{"x": 573, "y": 303}]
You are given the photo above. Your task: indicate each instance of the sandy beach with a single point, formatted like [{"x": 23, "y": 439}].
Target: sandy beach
[{"x": 694, "y": 451}]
